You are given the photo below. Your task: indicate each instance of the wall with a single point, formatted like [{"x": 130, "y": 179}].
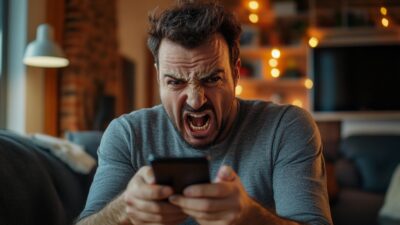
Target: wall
[
  {"x": 24, "y": 85},
  {"x": 34, "y": 114},
  {"x": 133, "y": 26}
]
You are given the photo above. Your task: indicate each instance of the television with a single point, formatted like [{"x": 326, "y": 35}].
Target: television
[{"x": 356, "y": 78}]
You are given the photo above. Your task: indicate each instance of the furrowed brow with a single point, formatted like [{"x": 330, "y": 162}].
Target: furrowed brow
[
  {"x": 173, "y": 76},
  {"x": 213, "y": 73}
]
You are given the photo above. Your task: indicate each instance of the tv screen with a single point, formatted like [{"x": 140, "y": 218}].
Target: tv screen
[{"x": 356, "y": 78}]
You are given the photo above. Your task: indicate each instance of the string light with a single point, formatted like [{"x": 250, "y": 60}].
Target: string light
[
  {"x": 385, "y": 22},
  {"x": 273, "y": 62},
  {"x": 253, "y": 5},
  {"x": 297, "y": 102},
  {"x": 383, "y": 10},
  {"x": 253, "y": 18},
  {"x": 275, "y": 73},
  {"x": 308, "y": 83},
  {"x": 313, "y": 42},
  {"x": 238, "y": 90},
  {"x": 275, "y": 53}
]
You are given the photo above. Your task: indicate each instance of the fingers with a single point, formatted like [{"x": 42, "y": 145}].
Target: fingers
[
  {"x": 143, "y": 201},
  {"x": 222, "y": 187},
  {"x": 154, "y": 212},
  {"x": 201, "y": 204},
  {"x": 142, "y": 187},
  {"x": 147, "y": 174},
  {"x": 156, "y": 218},
  {"x": 215, "y": 190},
  {"x": 156, "y": 207},
  {"x": 225, "y": 174}
]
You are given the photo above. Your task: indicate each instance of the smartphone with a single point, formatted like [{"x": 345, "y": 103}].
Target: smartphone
[{"x": 180, "y": 172}]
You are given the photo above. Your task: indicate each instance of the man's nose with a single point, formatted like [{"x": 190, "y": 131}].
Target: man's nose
[{"x": 195, "y": 96}]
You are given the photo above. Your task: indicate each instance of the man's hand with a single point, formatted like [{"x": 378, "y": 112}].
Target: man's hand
[
  {"x": 144, "y": 201},
  {"x": 225, "y": 201}
]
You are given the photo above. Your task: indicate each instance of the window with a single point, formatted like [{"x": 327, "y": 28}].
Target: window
[{"x": 3, "y": 16}]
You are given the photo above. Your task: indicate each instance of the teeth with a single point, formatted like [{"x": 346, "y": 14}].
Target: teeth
[
  {"x": 197, "y": 115},
  {"x": 205, "y": 126}
]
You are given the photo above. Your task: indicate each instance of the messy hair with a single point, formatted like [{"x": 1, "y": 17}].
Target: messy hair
[{"x": 192, "y": 23}]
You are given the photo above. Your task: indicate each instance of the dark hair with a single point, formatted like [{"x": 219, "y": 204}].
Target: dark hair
[{"x": 191, "y": 24}]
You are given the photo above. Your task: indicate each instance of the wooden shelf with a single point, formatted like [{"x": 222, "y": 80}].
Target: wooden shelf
[
  {"x": 283, "y": 91},
  {"x": 266, "y": 50},
  {"x": 365, "y": 115},
  {"x": 279, "y": 83}
]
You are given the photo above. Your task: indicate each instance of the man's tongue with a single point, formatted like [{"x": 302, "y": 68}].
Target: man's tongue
[{"x": 198, "y": 121}]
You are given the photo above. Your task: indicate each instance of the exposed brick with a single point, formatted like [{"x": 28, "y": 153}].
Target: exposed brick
[{"x": 90, "y": 43}]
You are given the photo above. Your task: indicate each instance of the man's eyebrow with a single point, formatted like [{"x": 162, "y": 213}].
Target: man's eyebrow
[
  {"x": 218, "y": 70},
  {"x": 173, "y": 76},
  {"x": 212, "y": 73}
]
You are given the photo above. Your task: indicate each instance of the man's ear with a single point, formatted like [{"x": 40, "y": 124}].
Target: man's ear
[
  {"x": 158, "y": 77},
  {"x": 236, "y": 72}
]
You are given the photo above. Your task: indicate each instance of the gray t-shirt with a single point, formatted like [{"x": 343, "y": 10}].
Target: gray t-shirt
[{"x": 276, "y": 150}]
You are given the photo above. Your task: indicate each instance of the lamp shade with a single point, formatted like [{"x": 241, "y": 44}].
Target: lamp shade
[{"x": 44, "y": 52}]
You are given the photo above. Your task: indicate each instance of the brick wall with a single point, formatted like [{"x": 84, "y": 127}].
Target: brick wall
[{"x": 90, "y": 43}]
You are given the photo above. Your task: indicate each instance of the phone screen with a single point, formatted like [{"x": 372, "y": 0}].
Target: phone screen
[{"x": 180, "y": 172}]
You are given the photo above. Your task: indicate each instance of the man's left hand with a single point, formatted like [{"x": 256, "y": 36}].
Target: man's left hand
[{"x": 224, "y": 201}]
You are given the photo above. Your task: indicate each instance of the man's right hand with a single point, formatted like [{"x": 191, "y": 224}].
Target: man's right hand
[{"x": 144, "y": 201}]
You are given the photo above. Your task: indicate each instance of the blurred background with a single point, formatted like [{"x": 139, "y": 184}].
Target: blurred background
[{"x": 336, "y": 59}]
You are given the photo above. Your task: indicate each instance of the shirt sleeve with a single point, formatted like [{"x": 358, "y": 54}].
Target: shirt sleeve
[
  {"x": 299, "y": 177},
  {"x": 114, "y": 167}
]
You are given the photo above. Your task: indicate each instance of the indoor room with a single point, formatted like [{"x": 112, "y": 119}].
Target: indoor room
[{"x": 68, "y": 68}]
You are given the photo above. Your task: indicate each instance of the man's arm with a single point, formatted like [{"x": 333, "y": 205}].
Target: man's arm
[
  {"x": 113, "y": 213},
  {"x": 259, "y": 215}
]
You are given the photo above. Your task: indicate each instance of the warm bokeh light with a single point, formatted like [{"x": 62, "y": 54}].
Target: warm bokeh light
[
  {"x": 313, "y": 42},
  {"x": 273, "y": 62},
  {"x": 308, "y": 83},
  {"x": 385, "y": 22},
  {"x": 253, "y": 5},
  {"x": 383, "y": 11},
  {"x": 238, "y": 90},
  {"x": 297, "y": 102},
  {"x": 275, "y": 73},
  {"x": 276, "y": 53},
  {"x": 253, "y": 18}
]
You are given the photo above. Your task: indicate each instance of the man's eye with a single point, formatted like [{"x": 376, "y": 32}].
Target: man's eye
[
  {"x": 212, "y": 80},
  {"x": 174, "y": 82}
]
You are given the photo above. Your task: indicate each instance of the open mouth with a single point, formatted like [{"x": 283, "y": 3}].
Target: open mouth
[{"x": 198, "y": 122}]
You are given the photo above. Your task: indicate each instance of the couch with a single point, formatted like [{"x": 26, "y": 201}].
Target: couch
[
  {"x": 363, "y": 171},
  {"x": 38, "y": 188}
]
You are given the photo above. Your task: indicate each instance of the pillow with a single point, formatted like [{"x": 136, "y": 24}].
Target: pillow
[
  {"x": 391, "y": 206},
  {"x": 90, "y": 140},
  {"x": 346, "y": 174}
]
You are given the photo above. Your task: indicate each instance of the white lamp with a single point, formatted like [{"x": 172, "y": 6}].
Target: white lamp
[{"x": 44, "y": 52}]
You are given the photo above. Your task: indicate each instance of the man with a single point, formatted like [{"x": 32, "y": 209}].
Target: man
[{"x": 266, "y": 159}]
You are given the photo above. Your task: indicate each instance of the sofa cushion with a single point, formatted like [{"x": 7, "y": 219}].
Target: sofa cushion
[
  {"x": 347, "y": 174},
  {"x": 37, "y": 188},
  {"x": 375, "y": 156}
]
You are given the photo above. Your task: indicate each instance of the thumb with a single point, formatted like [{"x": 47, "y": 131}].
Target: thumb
[{"x": 225, "y": 174}]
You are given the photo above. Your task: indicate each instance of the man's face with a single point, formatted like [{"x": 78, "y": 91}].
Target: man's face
[{"x": 197, "y": 89}]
